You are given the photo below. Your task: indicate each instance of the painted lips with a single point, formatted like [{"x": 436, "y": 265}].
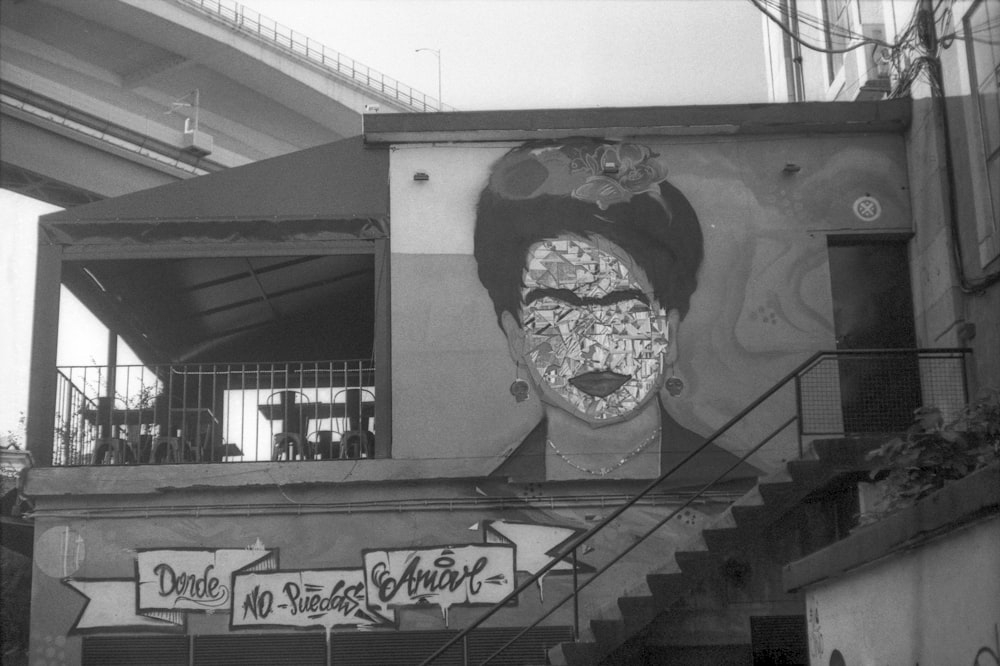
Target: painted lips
[{"x": 599, "y": 384}]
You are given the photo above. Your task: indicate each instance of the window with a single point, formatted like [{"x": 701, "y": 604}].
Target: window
[
  {"x": 836, "y": 27},
  {"x": 982, "y": 30},
  {"x": 792, "y": 52}
]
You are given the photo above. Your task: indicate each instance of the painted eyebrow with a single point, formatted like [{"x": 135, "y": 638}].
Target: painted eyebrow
[{"x": 572, "y": 298}]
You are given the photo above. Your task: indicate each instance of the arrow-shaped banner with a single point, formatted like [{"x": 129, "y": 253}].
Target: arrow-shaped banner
[
  {"x": 194, "y": 579},
  {"x": 441, "y": 576},
  {"x": 111, "y": 603},
  {"x": 535, "y": 544},
  {"x": 312, "y": 598}
]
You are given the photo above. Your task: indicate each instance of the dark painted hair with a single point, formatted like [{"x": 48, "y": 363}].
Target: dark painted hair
[{"x": 661, "y": 233}]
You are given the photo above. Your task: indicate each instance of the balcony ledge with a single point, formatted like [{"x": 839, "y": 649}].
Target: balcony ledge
[
  {"x": 968, "y": 500},
  {"x": 44, "y": 482}
]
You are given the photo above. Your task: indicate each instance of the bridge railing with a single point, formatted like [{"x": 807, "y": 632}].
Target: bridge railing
[{"x": 252, "y": 23}]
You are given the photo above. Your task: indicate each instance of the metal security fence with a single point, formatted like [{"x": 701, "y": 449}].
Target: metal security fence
[
  {"x": 199, "y": 413},
  {"x": 877, "y": 391}
]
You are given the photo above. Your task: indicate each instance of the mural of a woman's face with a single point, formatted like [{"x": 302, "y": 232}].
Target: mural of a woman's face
[{"x": 592, "y": 335}]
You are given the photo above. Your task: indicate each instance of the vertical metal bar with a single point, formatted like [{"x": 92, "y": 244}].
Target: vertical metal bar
[
  {"x": 183, "y": 414},
  {"x": 169, "y": 425},
  {"x": 963, "y": 362},
  {"x": 576, "y": 600},
  {"x": 199, "y": 416},
  {"x": 798, "y": 410},
  {"x": 110, "y": 388},
  {"x": 465, "y": 650},
  {"x": 67, "y": 422},
  {"x": 216, "y": 413}
]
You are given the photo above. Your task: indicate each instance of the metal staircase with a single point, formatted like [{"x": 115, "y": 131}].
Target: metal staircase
[{"x": 712, "y": 581}]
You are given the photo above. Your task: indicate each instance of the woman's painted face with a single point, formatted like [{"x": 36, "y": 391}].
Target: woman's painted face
[{"x": 595, "y": 339}]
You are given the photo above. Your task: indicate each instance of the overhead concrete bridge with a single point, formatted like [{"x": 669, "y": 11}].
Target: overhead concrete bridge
[{"x": 105, "y": 97}]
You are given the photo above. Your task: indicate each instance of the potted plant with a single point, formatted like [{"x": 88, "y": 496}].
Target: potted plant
[{"x": 932, "y": 453}]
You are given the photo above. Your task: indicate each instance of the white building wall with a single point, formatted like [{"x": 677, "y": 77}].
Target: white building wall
[{"x": 938, "y": 604}]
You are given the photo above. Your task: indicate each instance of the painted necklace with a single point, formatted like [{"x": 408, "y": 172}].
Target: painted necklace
[{"x": 604, "y": 471}]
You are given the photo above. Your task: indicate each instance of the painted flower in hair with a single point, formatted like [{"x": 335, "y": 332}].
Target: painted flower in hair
[
  {"x": 602, "y": 174},
  {"x": 638, "y": 171}
]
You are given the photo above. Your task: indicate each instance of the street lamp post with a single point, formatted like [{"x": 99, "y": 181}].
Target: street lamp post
[{"x": 437, "y": 54}]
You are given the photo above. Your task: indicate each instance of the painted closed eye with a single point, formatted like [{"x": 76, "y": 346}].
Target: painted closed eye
[{"x": 568, "y": 297}]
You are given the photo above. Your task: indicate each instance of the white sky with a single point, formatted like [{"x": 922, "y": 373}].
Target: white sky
[
  {"x": 495, "y": 54},
  {"x": 504, "y": 54}
]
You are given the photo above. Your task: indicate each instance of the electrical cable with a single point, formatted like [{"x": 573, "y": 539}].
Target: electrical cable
[
  {"x": 821, "y": 25},
  {"x": 759, "y": 4},
  {"x": 914, "y": 53}
]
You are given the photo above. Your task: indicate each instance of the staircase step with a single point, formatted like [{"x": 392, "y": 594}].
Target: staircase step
[
  {"x": 751, "y": 518},
  {"x": 637, "y": 612},
  {"x": 809, "y": 473},
  {"x": 608, "y": 633},
  {"x": 849, "y": 452},
  {"x": 697, "y": 563},
  {"x": 722, "y": 541},
  {"x": 575, "y": 654},
  {"x": 743, "y": 527},
  {"x": 779, "y": 494},
  {"x": 667, "y": 588}
]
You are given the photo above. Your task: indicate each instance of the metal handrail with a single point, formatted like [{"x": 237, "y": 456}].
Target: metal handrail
[
  {"x": 570, "y": 548},
  {"x": 163, "y": 401},
  {"x": 635, "y": 544},
  {"x": 298, "y": 45}
]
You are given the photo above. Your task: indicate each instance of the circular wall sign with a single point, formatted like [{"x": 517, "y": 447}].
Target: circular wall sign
[
  {"x": 867, "y": 208},
  {"x": 59, "y": 551}
]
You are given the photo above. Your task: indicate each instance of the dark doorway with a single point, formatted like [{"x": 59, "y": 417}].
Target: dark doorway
[
  {"x": 779, "y": 640},
  {"x": 873, "y": 309}
]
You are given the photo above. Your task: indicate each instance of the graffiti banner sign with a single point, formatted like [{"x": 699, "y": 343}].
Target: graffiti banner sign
[
  {"x": 317, "y": 598},
  {"x": 441, "y": 576},
  {"x": 194, "y": 580},
  {"x": 111, "y": 604}
]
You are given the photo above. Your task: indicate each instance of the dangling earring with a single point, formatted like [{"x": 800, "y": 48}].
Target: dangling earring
[
  {"x": 674, "y": 385},
  {"x": 519, "y": 387}
]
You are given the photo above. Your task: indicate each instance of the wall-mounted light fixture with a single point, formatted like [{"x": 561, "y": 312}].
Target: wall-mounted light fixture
[
  {"x": 421, "y": 176},
  {"x": 609, "y": 166},
  {"x": 792, "y": 168}
]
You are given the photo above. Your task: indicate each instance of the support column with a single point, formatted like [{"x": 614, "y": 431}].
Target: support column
[
  {"x": 382, "y": 345},
  {"x": 44, "y": 344}
]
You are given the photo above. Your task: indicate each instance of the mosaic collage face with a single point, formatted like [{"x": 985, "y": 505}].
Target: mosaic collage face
[{"x": 595, "y": 338}]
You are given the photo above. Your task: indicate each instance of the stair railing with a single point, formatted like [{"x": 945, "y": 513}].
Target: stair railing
[{"x": 569, "y": 550}]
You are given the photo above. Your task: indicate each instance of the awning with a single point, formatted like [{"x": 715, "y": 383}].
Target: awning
[{"x": 343, "y": 182}]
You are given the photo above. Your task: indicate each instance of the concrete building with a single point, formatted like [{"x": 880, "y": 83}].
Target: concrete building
[
  {"x": 921, "y": 587},
  {"x": 942, "y": 56},
  {"x": 336, "y": 397},
  {"x": 469, "y": 364}
]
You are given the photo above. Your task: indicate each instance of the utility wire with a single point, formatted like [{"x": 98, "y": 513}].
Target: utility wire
[
  {"x": 915, "y": 53},
  {"x": 846, "y": 34}
]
